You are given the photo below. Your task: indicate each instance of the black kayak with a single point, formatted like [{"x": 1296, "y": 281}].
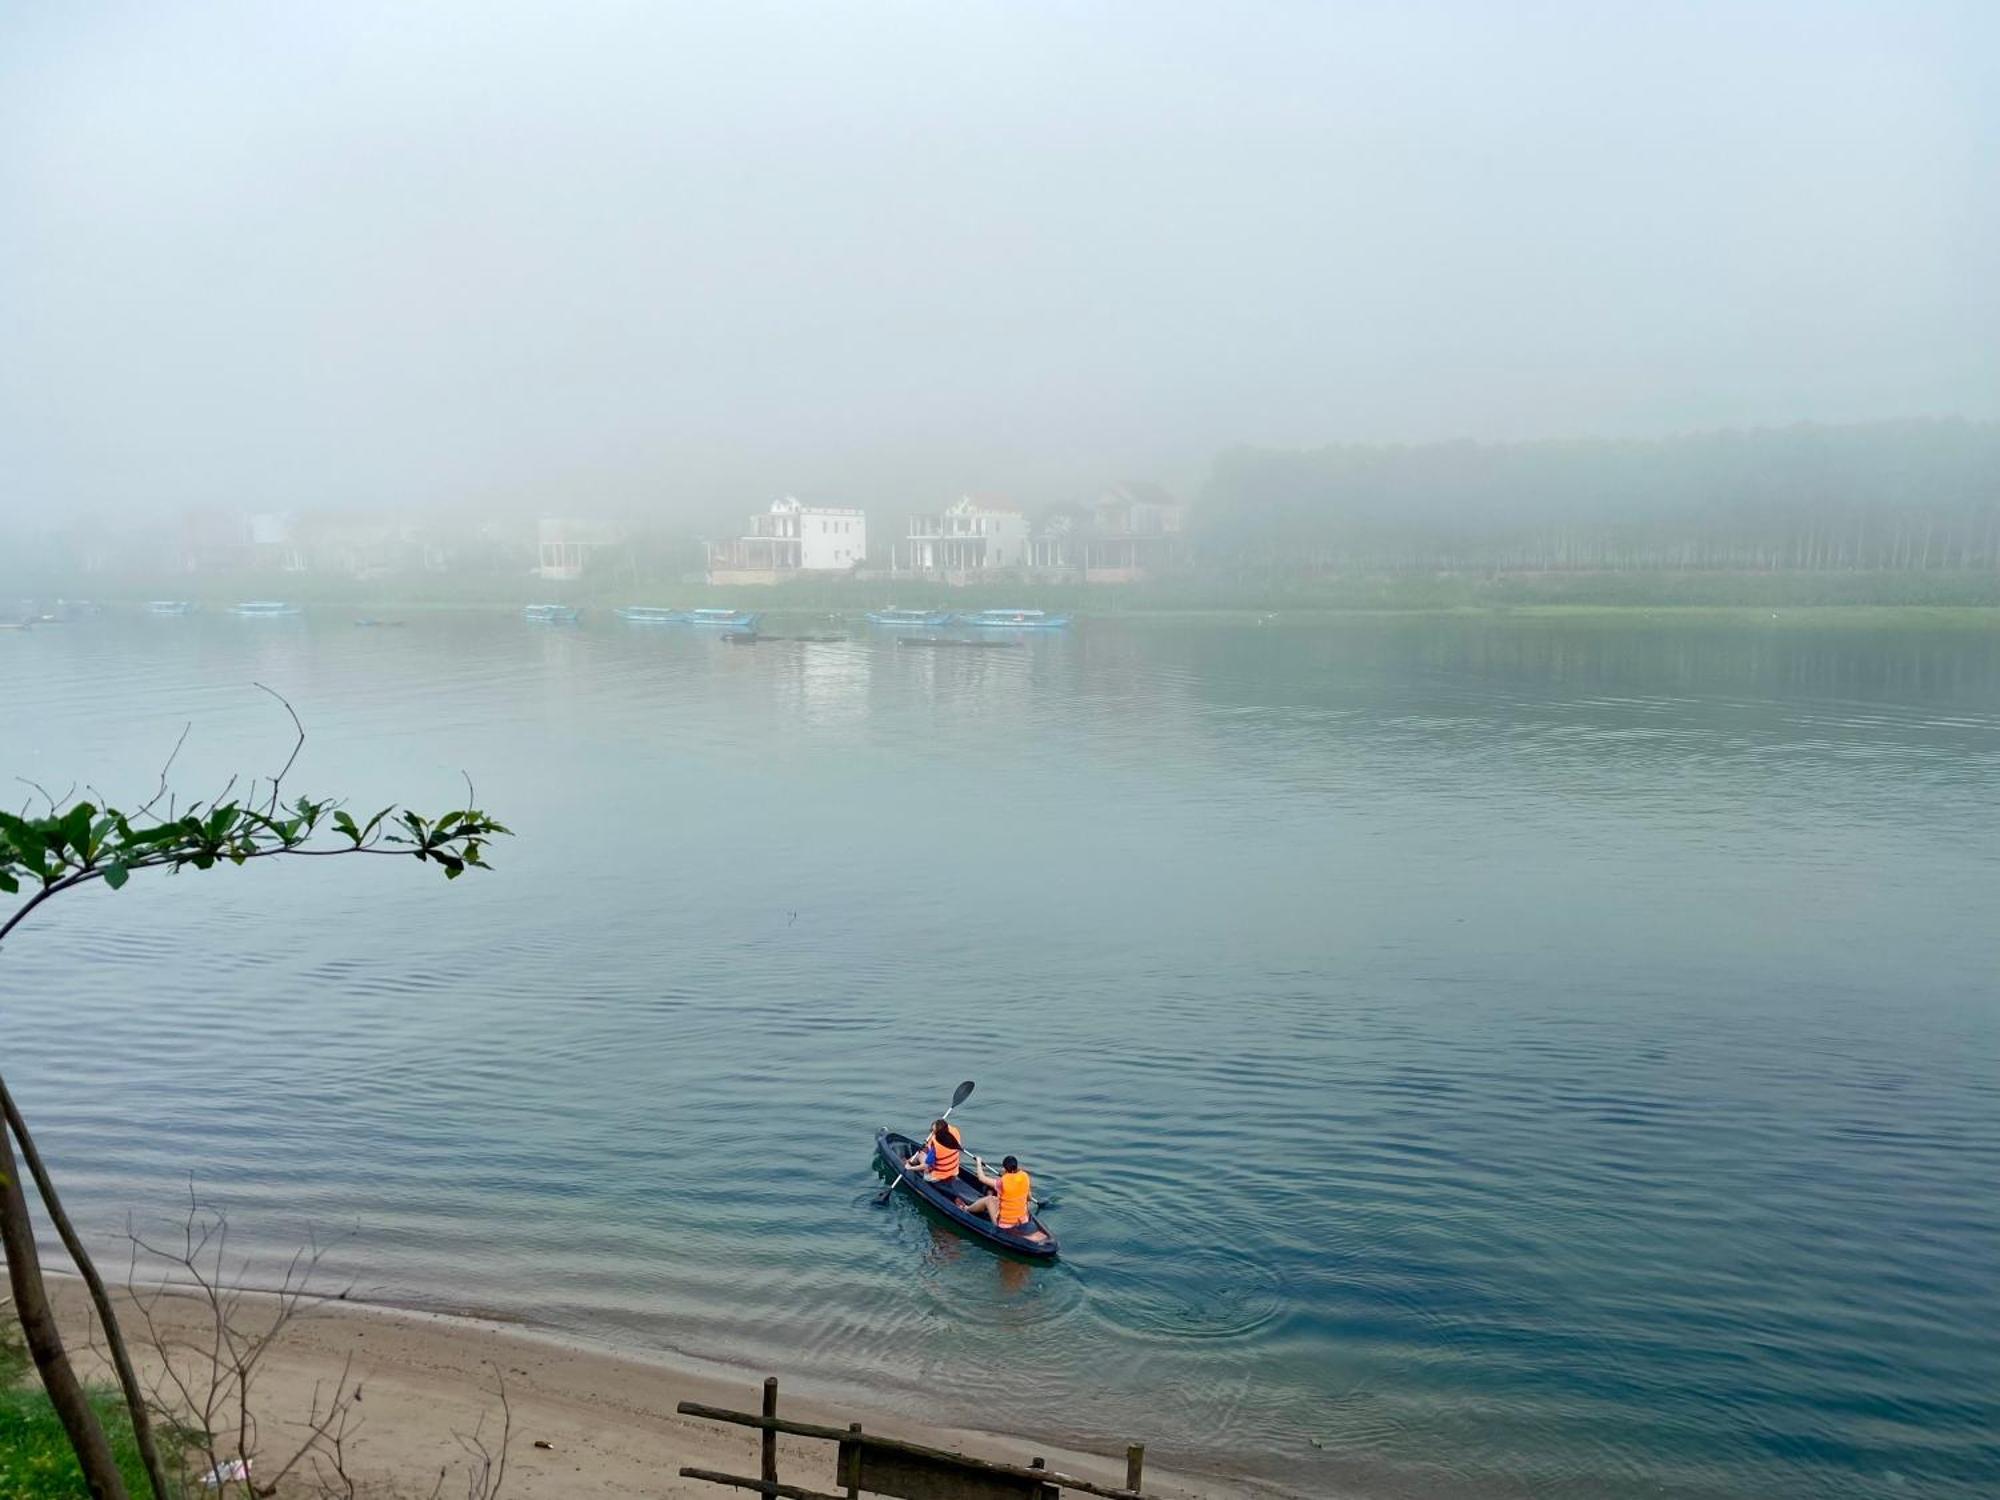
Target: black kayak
[{"x": 952, "y": 1199}]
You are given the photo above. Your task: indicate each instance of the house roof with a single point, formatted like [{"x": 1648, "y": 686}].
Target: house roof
[{"x": 1142, "y": 492}]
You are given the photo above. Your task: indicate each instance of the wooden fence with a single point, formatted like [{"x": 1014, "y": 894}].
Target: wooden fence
[{"x": 865, "y": 1464}]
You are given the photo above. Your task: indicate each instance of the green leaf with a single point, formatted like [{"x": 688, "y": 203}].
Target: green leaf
[
  {"x": 75, "y": 826},
  {"x": 165, "y": 833},
  {"x": 115, "y": 876}
]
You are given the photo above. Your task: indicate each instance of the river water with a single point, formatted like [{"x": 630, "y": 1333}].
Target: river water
[{"x": 1471, "y": 1058}]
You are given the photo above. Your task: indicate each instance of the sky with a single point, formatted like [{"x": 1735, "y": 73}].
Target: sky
[{"x": 607, "y": 257}]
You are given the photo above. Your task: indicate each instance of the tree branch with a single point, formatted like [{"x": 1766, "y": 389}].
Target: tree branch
[{"x": 278, "y": 781}]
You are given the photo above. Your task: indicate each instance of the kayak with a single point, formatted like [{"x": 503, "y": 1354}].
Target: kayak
[{"x": 952, "y": 1199}]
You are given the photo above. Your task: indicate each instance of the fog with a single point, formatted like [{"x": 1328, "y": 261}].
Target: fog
[{"x": 683, "y": 258}]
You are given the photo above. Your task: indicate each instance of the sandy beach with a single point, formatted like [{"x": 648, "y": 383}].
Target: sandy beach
[{"x": 585, "y": 1423}]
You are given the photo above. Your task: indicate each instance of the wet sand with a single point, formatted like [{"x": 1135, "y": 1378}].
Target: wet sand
[{"x": 608, "y": 1421}]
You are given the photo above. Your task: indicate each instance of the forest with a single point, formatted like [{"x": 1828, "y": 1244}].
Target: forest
[{"x": 1877, "y": 497}]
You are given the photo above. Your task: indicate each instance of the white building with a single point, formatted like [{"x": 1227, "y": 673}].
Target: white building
[
  {"x": 791, "y": 539},
  {"x": 967, "y": 539},
  {"x": 274, "y": 543},
  {"x": 566, "y": 546}
]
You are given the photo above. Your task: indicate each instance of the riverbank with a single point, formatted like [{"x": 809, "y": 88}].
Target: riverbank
[
  {"x": 1395, "y": 593},
  {"x": 585, "y": 1422},
  {"x": 783, "y": 612}
]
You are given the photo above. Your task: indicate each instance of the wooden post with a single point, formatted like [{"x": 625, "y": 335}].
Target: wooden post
[
  {"x": 770, "y": 1429},
  {"x": 853, "y": 1475},
  {"x": 1135, "y": 1464},
  {"x": 1049, "y": 1491}
]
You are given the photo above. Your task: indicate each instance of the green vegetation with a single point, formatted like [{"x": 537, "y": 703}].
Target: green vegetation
[
  {"x": 1877, "y": 498},
  {"x": 36, "y": 1459}
]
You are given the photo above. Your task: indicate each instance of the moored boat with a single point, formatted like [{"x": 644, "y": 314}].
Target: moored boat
[
  {"x": 724, "y": 619},
  {"x": 552, "y": 614},
  {"x": 651, "y": 614},
  {"x": 930, "y": 619},
  {"x": 263, "y": 609},
  {"x": 171, "y": 606},
  {"x": 953, "y": 1200},
  {"x": 1012, "y": 619}
]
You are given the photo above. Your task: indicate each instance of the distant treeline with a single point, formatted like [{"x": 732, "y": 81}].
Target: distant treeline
[{"x": 1884, "y": 497}]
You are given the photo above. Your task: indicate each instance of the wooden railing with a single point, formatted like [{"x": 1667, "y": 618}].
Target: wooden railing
[{"x": 872, "y": 1465}]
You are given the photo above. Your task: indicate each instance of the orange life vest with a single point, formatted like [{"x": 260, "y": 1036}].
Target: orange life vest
[
  {"x": 1014, "y": 1188},
  {"x": 945, "y": 1166}
]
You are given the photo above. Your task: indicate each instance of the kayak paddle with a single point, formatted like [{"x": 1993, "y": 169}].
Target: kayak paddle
[{"x": 958, "y": 1096}]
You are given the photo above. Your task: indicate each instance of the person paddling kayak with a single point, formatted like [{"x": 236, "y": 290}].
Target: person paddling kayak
[
  {"x": 1006, "y": 1200},
  {"x": 939, "y": 1156}
]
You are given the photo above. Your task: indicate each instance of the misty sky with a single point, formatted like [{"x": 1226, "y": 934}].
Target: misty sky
[{"x": 590, "y": 256}]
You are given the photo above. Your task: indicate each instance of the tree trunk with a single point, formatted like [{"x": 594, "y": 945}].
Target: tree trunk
[
  {"x": 38, "y": 1325},
  {"x": 114, "y": 1336}
]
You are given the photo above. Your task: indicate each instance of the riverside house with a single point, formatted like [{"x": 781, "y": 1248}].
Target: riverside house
[
  {"x": 567, "y": 546},
  {"x": 1130, "y": 532},
  {"x": 791, "y": 540},
  {"x": 966, "y": 541}
]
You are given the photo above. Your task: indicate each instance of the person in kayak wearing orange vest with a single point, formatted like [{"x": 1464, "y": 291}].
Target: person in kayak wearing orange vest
[
  {"x": 939, "y": 1156},
  {"x": 1007, "y": 1196}
]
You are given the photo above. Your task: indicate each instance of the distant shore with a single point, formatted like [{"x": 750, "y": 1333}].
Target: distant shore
[
  {"x": 1191, "y": 593},
  {"x": 586, "y": 1422},
  {"x": 848, "y": 605}
]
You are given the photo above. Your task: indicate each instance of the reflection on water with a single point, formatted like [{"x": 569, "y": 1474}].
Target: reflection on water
[{"x": 1472, "y": 1057}]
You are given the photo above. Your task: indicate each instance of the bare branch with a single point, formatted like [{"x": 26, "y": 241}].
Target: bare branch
[
  {"x": 146, "y": 807},
  {"x": 52, "y": 802},
  {"x": 278, "y": 781}
]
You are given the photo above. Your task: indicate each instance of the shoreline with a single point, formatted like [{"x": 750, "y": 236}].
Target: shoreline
[
  {"x": 606, "y": 1414},
  {"x": 1280, "y": 612}
]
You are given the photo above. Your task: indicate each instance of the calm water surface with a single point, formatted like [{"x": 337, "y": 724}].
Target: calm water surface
[{"x": 1472, "y": 1059}]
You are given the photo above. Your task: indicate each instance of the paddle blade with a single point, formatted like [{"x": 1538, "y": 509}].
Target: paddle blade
[{"x": 961, "y": 1093}]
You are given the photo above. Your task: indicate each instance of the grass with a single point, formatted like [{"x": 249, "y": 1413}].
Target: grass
[{"x": 35, "y": 1458}]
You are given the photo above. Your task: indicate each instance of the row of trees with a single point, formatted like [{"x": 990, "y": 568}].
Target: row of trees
[{"x": 1905, "y": 496}]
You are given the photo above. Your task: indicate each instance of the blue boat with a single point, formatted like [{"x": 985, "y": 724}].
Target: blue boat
[
  {"x": 951, "y": 1199},
  {"x": 1012, "y": 619},
  {"x": 724, "y": 619},
  {"x": 263, "y": 609},
  {"x": 552, "y": 614},
  {"x": 171, "y": 606},
  {"x": 651, "y": 614},
  {"x": 929, "y": 619}
]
